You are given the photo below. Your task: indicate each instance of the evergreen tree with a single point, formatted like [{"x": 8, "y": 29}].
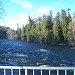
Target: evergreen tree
[
  {"x": 49, "y": 24},
  {"x": 49, "y": 27},
  {"x": 18, "y": 32},
  {"x": 30, "y": 30},
  {"x": 69, "y": 18},
  {"x": 56, "y": 28},
  {"x": 64, "y": 25},
  {"x": 23, "y": 33},
  {"x": 42, "y": 28}
]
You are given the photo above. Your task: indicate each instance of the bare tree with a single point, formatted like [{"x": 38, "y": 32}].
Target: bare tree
[{"x": 2, "y": 11}]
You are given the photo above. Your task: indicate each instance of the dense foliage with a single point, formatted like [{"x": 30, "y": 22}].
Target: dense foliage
[
  {"x": 3, "y": 32},
  {"x": 49, "y": 30},
  {"x": 7, "y": 33},
  {"x": 45, "y": 29}
]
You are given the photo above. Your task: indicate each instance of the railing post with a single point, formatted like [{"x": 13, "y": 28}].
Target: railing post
[
  {"x": 49, "y": 72},
  {"x": 74, "y": 72},
  {"x": 33, "y": 68},
  {"x": 41, "y": 71},
  {"x": 57, "y": 72},
  {"x": 25, "y": 71},
  {"x": 65, "y": 72},
  {"x": 11, "y": 71},
  {"x": 4, "y": 71},
  {"x": 33, "y": 71},
  {"x": 19, "y": 71}
]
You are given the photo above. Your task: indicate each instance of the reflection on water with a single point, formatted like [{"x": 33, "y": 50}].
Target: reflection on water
[{"x": 23, "y": 53}]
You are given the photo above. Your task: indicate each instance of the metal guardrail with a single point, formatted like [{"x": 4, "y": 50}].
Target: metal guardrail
[{"x": 33, "y": 68}]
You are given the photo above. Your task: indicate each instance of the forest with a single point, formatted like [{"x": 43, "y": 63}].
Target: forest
[
  {"x": 49, "y": 30},
  {"x": 58, "y": 30}
]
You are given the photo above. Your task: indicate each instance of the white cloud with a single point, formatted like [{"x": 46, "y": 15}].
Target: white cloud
[
  {"x": 22, "y": 19},
  {"x": 24, "y": 3},
  {"x": 10, "y": 23},
  {"x": 44, "y": 10},
  {"x": 16, "y": 1},
  {"x": 27, "y": 5},
  {"x": 58, "y": 4}
]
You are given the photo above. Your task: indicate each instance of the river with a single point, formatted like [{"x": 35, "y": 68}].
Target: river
[{"x": 14, "y": 53}]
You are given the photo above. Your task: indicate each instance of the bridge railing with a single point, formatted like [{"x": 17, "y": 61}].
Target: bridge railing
[{"x": 33, "y": 68}]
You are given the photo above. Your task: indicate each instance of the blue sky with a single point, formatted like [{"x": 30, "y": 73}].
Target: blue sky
[{"x": 17, "y": 11}]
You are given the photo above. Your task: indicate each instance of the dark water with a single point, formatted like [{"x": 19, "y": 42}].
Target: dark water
[{"x": 23, "y": 53}]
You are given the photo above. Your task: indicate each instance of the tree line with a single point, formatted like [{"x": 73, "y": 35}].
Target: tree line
[
  {"x": 7, "y": 33},
  {"x": 49, "y": 30},
  {"x": 46, "y": 29},
  {"x": 3, "y": 32}
]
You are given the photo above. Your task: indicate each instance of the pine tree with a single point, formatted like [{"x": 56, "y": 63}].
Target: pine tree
[
  {"x": 55, "y": 28},
  {"x": 64, "y": 25},
  {"x": 23, "y": 36},
  {"x": 49, "y": 24},
  {"x": 69, "y": 18},
  {"x": 18, "y": 32}
]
